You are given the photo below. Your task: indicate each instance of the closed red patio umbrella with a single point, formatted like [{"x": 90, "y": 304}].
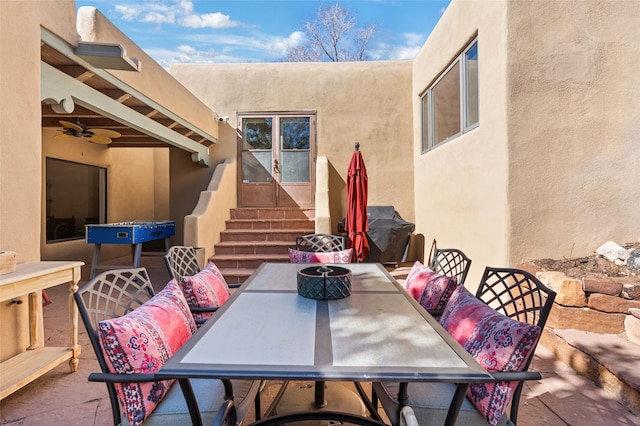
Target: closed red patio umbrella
[{"x": 357, "y": 222}]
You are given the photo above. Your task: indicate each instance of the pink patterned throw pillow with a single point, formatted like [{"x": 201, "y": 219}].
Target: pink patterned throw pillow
[
  {"x": 496, "y": 342},
  {"x": 342, "y": 256},
  {"x": 429, "y": 288},
  {"x": 141, "y": 342},
  {"x": 206, "y": 289}
]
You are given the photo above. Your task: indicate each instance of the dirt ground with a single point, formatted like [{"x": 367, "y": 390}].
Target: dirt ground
[{"x": 593, "y": 266}]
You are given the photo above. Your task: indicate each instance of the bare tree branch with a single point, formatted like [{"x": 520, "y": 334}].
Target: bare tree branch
[{"x": 332, "y": 36}]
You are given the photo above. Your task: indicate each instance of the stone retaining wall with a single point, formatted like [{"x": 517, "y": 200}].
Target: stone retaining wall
[{"x": 595, "y": 305}]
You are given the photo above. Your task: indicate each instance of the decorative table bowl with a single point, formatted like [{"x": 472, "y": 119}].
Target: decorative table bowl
[{"x": 324, "y": 282}]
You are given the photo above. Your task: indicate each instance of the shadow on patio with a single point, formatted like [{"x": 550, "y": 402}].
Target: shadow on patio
[{"x": 562, "y": 397}]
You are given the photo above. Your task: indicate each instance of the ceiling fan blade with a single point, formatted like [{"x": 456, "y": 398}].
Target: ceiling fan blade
[
  {"x": 102, "y": 140},
  {"x": 71, "y": 125},
  {"x": 63, "y": 136},
  {"x": 105, "y": 132}
]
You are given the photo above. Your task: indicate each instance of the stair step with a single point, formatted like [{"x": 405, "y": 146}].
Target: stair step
[
  {"x": 273, "y": 213},
  {"x": 306, "y": 224},
  {"x": 257, "y": 235},
  {"x": 262, "y": 234},
  {"x": 253, "y": 247},
  {"x": 246, "y": 261}
]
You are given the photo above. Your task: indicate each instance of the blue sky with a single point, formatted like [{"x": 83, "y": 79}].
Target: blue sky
[{"x": 222, "y": 31}]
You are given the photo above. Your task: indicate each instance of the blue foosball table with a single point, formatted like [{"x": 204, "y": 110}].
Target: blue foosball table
[{"x": 134, "y": 233}]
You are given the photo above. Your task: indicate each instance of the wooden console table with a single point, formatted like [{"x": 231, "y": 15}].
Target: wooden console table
[{"x": 28, "y": 279}]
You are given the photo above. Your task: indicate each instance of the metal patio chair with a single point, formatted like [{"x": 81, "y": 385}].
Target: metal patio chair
[
  {"x": 450, "y": 262},
  {"x": 115, "y": 293},
  {"x": 181, "y": 261},
  {"x": 320, "y": 243},
  {"x": 514, "y": 293}
]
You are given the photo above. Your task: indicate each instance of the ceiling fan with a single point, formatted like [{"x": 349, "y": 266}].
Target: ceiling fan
[{"x": 79, "y": 130}]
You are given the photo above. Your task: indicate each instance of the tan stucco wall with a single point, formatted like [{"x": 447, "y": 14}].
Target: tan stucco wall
[
  {"x": 573, "y": 126},
  {"x": 20, "y": 129},
  {"x": 202, "y": 227},
  {"x": 187, "y": 181},
  {"x": 553, "y": 169},
  {"x": 460, "y": 186},
  {"x": 20, "y": 141},
  {"x": 23, "y": 149},
  {"x": 367, "y": 102}
]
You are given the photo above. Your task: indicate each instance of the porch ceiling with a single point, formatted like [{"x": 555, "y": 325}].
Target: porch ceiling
[{"x": 135, "y": 117}]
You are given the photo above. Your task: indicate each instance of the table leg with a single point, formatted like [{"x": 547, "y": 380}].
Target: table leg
[
  {"x": 73, "y": 322},
  {"x": 456, "y": 404},
  {"x": 95, "y": 261},
  {"x": 137, "y": 254},
  {"x": 403, "y": 396},
  {"x": 319, "y": 400},
  {"x": 34, "y": 320}
]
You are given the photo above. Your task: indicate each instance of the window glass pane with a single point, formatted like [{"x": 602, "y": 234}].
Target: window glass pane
[
  {"x": 256, "y": 133},
  {"x": 425, "y": 121},
  {"x": 294, "y": 132},
  {"x": 446, "y": 105},
  {"x": 256, "y": 166},
  {"x": 295, "y": 166},
  {"x": 472, "y": 109},
  {"x": 75, "y": 197}
]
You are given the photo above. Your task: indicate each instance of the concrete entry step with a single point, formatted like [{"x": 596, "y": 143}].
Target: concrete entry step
[
  {"x": 611, "y": 362},
  {"x": 256, "y": 235}
]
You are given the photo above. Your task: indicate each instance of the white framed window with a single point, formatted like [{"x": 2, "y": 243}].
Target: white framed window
[{"x": 450, "y": 105}]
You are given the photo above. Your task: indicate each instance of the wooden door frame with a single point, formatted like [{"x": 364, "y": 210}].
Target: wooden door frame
[{"x": 307, "y": 199}]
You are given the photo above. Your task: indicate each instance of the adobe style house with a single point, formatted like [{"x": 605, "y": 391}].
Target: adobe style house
[{"x": 512, "y": 135}]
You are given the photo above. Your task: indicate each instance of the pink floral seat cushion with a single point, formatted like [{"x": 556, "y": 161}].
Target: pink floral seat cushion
[
  {"x": 206, "y": 289},
  {"x": 429, "y": 288},
  {"x": 141, "y": 342},
  {"x": 496, "y": 342},
  {"x": 342, "y": 256}
]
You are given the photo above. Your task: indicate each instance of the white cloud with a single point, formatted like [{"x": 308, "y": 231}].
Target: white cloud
[
  {"x": 404, "y": 46},
  {"x": 403, "y": 52},
  {"x": 186, "y": 54},
  {"x": 127, "y": 12},
  {"x": 187, "y": 50},
  {"x": 158, "y": 18},
  {"x": 208, "y": 20},
  {"x": 181, "y": 13},
  {"x": 414, "y": 39},
  {"x": 297, "y": 38}
]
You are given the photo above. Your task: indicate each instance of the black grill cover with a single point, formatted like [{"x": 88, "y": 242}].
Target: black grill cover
[{"x": 388, "y": 234}]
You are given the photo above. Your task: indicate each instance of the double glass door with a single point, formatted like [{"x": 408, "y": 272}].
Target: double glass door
[{"x": 276, "y": 160}]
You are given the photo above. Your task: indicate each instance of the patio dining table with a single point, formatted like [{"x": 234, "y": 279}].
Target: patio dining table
[{"x": 267, "y": 331}]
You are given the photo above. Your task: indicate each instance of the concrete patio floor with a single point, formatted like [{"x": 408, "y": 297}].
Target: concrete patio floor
[{"x": 562, "y": 397}]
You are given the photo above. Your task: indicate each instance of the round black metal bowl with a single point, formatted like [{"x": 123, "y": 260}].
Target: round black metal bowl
[{"x": 324, "y": 282}]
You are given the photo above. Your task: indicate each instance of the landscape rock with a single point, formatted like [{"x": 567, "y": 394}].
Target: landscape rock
[
  {"x": 531, "y": 268},
  {"x": 630, "y": 291},
  {"x": 633, "y": 262},
  {"x": 632, "y": 328},
  {"x": 585, "y": 319},
  {"x": 569, "y": 291},
  {"x": 612, "y": 304},
  {"x": 613, "y": 251},
  {"x": 602, "y": 286},
  {"x": 634, "y": 312}
]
